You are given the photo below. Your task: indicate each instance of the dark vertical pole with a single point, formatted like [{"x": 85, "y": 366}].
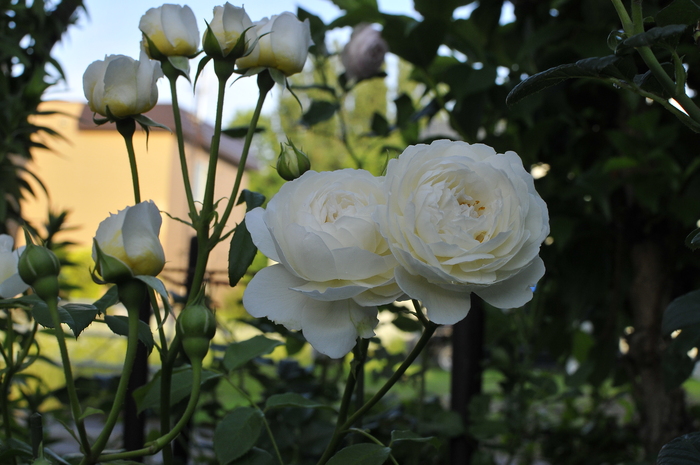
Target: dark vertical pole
[
  {"x": 181, "y": 447},
  {"x": 467, "y": 355},
  {"x": 134, "y": 423}
]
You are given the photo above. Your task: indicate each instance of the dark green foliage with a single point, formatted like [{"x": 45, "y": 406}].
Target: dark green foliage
[{"x": 27, "y": 70}]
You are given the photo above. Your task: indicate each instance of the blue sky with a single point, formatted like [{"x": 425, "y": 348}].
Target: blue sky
[{"x": 111, "y": 27}]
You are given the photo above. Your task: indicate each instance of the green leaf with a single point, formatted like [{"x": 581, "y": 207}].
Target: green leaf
[
  {"x": 91, "y": 411},
  {"x": 241, "y": 253},
  {"x": 237, "y": 433},
  {"x": 155, "y": 284},
  {"x": 120, "y": 326},
  {"x": 693, "y": 240},
  {"x": 148, "y": 396},
  {"x": 379, "y": 125},
  {"x": 76, "y": 316},
  {"x": 684, "y": 450},
  {"x": 361, "y": 454},
  {"x": 404, "y": 435},
  {"x": 679, "y": 12},
  {"x": 654, "y": 36},
  {"x": 599, "y": 67},
  {"x": 240, "y": 353},
  {"x": 251, "y": 199},
  {"x": 292, "y": 399},
  {"x": 111, "y": 297},
  {"x": 649, "y": 83},
  {"x": 255, "y": 456},
  {"x": 318, "y": 112},
  {"x": 681, "y": 313},
  {"x": 239, "y": 132}
]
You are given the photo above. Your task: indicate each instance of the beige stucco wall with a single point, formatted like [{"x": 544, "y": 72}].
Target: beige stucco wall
[{"x": 88, "y": 173}]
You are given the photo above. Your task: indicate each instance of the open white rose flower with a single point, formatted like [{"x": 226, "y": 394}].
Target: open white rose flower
[
  {"x": 124, "y": 85},
  {"x": 459, "y": 219},
  {"x": 283, "y": 44},
  {"x": 334, "y": 267},
  {"x": 172, "y": 29},
  {"x": 10, "y": 282},
  {"x": 131, "y": 236}
]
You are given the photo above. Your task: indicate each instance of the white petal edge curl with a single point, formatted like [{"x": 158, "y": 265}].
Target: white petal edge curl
[
  {"x": 515, "y": 291},
  {"x": 445, "y": 307},
  {"x": 333, "y": 327},
  {"x": 269, "y": 294},
  {"x": 255, "y": 222}
]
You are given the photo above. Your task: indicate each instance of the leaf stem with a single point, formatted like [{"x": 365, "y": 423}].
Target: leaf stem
[
  {"x": 264, "y": 419},
  {"x": 76, "y": 411},
  {"x": 181, "y": 147},
  {"x": 420, "y": 345},
  {"x": 126, "y": 128},
  {"x": 164, "y": 440},
  {"x": 131, "y": 345},
  {"x": 165, "y": 379},
  {"x": 264, "y": 90},
  {"x": 625, "y": 19}
]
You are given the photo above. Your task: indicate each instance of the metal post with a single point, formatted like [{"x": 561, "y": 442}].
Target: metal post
[{"x": 467, "y": 356}]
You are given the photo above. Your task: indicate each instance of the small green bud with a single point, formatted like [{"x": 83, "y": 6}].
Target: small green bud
[
  {"x": 292, "y": 162},
  {"x": 197, "y": 326},
  {"x": 39, "y": 267}
]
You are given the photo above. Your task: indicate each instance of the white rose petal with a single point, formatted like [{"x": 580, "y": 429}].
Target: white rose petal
[
  {"x": 124, "y": 85},
  {"x": 131, "y": 236},
  {"x": 10, "y": 282},
  {"x": 333, "y": 263},
  {"x": 283, "y": 44},
  {"x": 459, "y": 219},
  {"x": 172, "y": 29}
]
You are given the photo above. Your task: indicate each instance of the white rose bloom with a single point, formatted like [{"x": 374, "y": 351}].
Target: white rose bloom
[
  {"x": 459, "y": 219},
  {"x": 126, "y": 86},
  {"x": 228, "y": 24},
  {"x": 10, "y": 282},
  {"x": 284, "y": 46},
  {"x": 131, "y": 236},
  {"x": 172, "y": 29},
  {"x": 333, "y": 267}
]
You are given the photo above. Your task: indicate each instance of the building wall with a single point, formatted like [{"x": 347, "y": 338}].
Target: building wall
[{"x": 88, "y": 173}]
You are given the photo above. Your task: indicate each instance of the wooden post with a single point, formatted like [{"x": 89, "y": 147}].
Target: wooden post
[{"x": 467, "y": 356}]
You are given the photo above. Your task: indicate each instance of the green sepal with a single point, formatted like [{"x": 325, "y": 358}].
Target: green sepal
[
  {"x": 110, "y": 269},
  {"x": 200, "y": 67},
  {"x": 210, "y": 44},
  {"x": 152, "y": 51},
  {"x": 176, "y": 66}
]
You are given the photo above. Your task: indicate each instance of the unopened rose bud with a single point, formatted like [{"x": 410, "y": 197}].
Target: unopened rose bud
[
  {"x": 197, "y": 326},
  {"x": 39, "y": 267},
  {"x": 292, "y": 162},
  {"x": 172, "y": 29},
  {"x": 225, "y": 34},
  {"x": 364, "y": 54}
]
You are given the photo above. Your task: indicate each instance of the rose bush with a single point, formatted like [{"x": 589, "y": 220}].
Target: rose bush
[
  {"x": 131, "y": 237},
  {"x": 121, "y": 84},
  {"x": 333, "y": 267},
  {"x": 172, "y": 29},
  {"x": 227, "y": 26},
  {"x": 283, "y": 44},
  {"x": 459, "y": 219},
  {"x": 364, "y": 54},
  {"x": 10, "y": 282}
]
